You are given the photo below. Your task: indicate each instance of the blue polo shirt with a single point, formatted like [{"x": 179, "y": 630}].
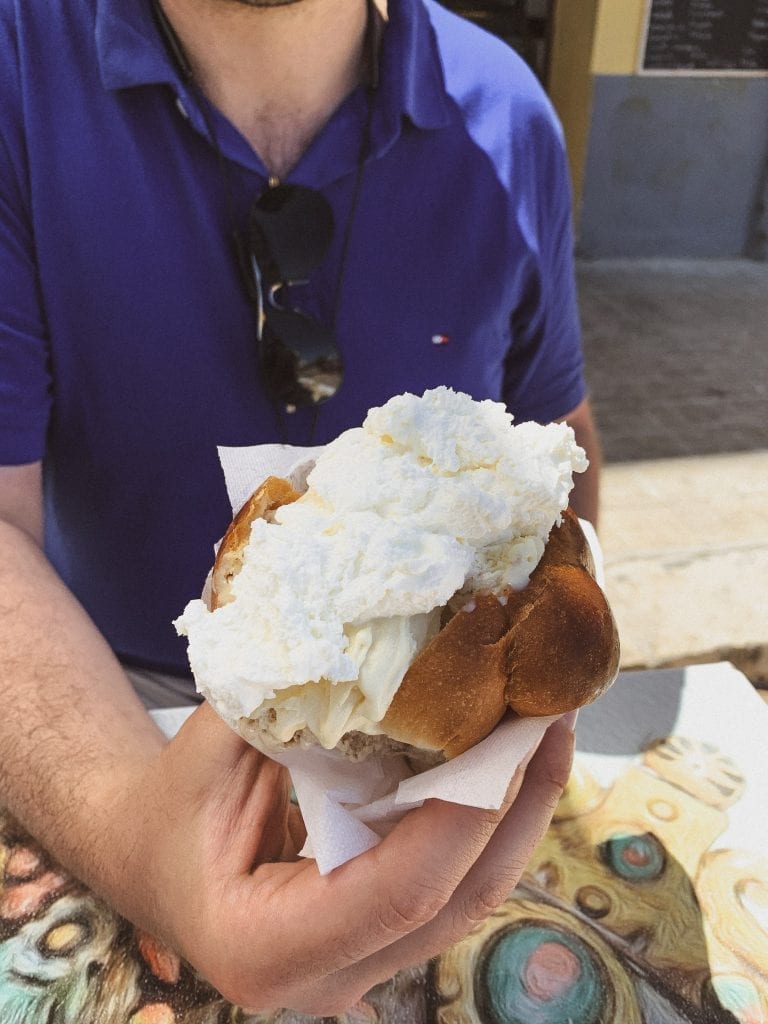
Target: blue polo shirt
[{"x": 126, "y": 340}]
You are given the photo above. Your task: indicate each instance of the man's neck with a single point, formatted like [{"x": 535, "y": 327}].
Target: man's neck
[{"x": 277, "y": 73}]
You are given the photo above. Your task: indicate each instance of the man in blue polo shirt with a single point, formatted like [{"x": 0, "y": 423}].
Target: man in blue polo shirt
[{"x": 137, "y": 141}]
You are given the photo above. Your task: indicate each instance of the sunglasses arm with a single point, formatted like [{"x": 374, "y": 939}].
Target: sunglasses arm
[{"x": 260, "y": 313}]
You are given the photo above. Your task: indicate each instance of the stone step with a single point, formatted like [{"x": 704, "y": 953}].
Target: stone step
[{"x": 686, "y": 560}]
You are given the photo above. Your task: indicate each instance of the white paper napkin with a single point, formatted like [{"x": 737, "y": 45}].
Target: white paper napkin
[{"x": 348, "y": 807}]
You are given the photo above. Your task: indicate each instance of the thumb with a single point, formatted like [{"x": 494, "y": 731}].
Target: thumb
[
  {"x": 246, "y": 793},
  {"x": 207, "y": 746}
]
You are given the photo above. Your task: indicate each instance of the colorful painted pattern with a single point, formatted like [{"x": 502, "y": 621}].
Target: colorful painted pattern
[{"x": 627, "y": 914}]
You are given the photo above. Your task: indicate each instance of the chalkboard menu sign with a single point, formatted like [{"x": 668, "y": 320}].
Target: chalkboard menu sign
[{"x": 706, "y": 35}]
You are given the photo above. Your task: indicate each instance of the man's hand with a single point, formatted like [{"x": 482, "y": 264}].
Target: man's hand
[
  {"x": 211, "y": 841},
  {"x": 195, "y": 840}
]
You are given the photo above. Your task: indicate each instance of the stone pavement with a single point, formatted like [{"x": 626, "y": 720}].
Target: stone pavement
[{"x": 677, "y": 362}]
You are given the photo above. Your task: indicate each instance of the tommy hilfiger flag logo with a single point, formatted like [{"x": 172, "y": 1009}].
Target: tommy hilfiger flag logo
[{"x": 440, "y": 339}]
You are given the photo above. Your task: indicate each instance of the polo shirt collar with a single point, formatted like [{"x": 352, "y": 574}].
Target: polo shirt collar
[
  {"x": 411, "y": 72},
  {"x": 129, "y": 49},
  {"x": 131, "y": 53}
]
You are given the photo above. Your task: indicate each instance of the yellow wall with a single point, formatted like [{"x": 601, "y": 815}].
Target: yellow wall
[
  {"x": 619, "y": 28},
  {"x": 589, "y": 37},
  {"x": 570, "y": 77}
]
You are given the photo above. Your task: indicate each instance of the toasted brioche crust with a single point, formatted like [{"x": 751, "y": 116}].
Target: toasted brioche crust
[
  {"x": 550, "y": 648},
  {"x": 544, "y": 650},
  {"x": 264, "y": 501}
]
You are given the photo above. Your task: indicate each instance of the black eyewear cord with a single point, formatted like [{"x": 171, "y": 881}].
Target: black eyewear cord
[{"x": 287, "y": 235}]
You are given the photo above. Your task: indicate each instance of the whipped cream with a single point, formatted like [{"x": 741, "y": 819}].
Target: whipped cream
[{"x": 433, "y": 499}]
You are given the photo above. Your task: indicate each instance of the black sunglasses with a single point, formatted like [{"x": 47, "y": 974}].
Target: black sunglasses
[{"x": 290, "y": 228}]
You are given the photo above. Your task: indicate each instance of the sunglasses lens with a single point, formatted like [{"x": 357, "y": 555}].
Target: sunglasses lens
[
  {"x": 301, "y": 361},
  {"x": 290, "y": 230}
]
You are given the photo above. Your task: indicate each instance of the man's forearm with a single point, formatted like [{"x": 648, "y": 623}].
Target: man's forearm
[
  {"x": 72, "y": 733},
  {"x": 585, "y": 496}
]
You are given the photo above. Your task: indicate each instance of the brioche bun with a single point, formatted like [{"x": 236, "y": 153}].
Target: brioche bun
[
  {"x": 541, "y": 651},
  {"x": 544, "y": 650},
  {"x": 264, "y": 501}
]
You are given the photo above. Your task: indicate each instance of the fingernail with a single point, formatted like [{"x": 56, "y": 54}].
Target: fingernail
[{"x": 570, "y": 719}]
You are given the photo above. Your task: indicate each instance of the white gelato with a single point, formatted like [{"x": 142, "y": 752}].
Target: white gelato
[{"x": 433, "y": 498}]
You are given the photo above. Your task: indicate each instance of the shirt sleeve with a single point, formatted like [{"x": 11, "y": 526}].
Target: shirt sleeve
[
  {"x": 544, "y": 376},
  {"x": 25, "y": 385}
]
